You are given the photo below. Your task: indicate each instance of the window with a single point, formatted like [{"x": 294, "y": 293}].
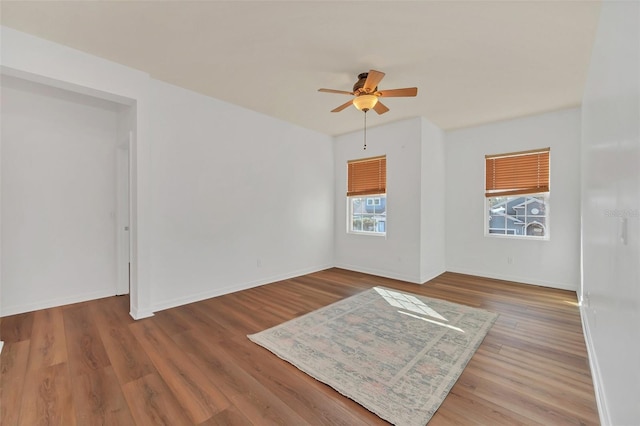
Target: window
[
  {"x": 517, "y": 194},
  {"x": 368, "y": 215},
  {"x": 524, "y": 216},
  {"x": 366, "y": 196}
]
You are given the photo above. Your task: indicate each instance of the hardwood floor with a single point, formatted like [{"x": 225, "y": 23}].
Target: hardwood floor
[{"x": 90, "y": 363}]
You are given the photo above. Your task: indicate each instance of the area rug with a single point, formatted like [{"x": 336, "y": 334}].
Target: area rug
[{"x": 395, "y": 353}]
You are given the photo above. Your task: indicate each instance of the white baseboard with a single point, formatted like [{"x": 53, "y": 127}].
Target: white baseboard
[
  {"x": 380, "y": 273},
  {"x": 596, "y": 377},
  {"x": 219, "y": 291},
  {"x": 52, "y": 303},
  {"x": 139, "y": 314},
  {"x": 514, "y": 278},
  {"x": 428, "y": 276}
]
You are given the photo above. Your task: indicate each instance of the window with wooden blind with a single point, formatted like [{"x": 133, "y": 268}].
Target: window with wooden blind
[
  {"x": 517, "y": 194},
  {"x": 366, "y": 196}
]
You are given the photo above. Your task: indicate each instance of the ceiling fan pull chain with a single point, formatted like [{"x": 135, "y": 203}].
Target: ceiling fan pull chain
[{"x": 365, "y": 130}]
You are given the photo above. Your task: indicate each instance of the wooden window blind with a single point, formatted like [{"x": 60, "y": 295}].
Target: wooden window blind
[
  {"x": 517, "y": 173},
  {"x": 367, "y": 176}
]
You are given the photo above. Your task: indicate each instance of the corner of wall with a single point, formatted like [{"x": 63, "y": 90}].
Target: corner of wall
[
  {"x": 433, "y": 201},
  {"x": 427, "y": 276},
  {"x": 139, "y": 314}
]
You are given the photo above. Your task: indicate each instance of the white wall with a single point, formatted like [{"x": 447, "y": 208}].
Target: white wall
[
  {"x": 433, "y": 198},
  {"x": 263, "y": 225},
  {"x": 58, "y": 196},
  {"x": 400, "y": 254},
  {"x": 552, "y": 263},
  {"x": 238, "y": 198},
  {"x": 611, "y": 202}
]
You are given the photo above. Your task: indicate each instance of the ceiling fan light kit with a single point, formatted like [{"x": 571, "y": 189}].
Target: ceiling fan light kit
[
  {"x": 366, "y": 95},
  {"x": 365, "y": 102}
]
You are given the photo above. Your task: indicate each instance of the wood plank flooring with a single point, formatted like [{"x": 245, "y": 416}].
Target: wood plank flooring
[{"x": 91, "y": 364}]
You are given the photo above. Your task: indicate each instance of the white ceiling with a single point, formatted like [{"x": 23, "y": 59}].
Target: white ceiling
[{"x": 473, "y": 61}]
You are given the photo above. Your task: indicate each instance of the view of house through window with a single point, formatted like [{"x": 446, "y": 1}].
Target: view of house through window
[
  {"x": 368, "y": 214},
  {"x": 524, "y": 215},
  {"x": 366, "y": 196},
  {"x": 517, "y": 194}
]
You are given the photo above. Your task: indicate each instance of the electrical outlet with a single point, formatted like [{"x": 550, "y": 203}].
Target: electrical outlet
[{"x": 509, "y": 260}]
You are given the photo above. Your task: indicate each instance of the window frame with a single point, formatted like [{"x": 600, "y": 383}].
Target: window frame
[
  {"x": 367, "y": 180},
  {"x": 513, "y": 175},
  {"x": 350, "y": 216},
  {"x": 546, "y": 225}
]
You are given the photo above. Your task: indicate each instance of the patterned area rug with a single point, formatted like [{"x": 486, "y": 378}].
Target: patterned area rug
[{"x": 395, "y": 353}]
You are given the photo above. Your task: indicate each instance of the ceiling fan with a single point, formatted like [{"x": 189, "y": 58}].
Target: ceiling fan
[{"x": 366, "y": 93}]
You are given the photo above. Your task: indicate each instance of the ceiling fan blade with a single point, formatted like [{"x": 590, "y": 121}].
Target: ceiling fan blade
[
  {"x": 380, "y": 108},
  {"x": 409, "y": 91},
  {"x": 372, "y": 80},
  {"x": 341, "y": 92},
  {"x": 343, "y": 106}
]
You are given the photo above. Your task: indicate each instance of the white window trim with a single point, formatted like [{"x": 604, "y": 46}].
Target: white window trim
[{"x": 349, "y": 217}]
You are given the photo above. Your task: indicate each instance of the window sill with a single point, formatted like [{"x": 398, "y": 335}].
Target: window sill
[
  {"x": 517, "y": 237},
  {"x": 368, "y": 234}
]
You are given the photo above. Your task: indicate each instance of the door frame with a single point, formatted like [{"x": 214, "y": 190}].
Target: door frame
[{"x": 123, "y": 213}]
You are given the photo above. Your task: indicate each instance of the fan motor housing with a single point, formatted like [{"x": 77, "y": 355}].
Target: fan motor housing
[{"x": 362, "y": 78}]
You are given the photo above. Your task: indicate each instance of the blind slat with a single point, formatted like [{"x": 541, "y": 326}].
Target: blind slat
[
  {"x": 517, "y": 173},
  {"x": 367, "y": 176}
]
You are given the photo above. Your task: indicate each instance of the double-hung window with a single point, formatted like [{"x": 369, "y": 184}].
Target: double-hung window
[
  {"x": 367, "y": 196},
  {"x": 517, "y": 194}
]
